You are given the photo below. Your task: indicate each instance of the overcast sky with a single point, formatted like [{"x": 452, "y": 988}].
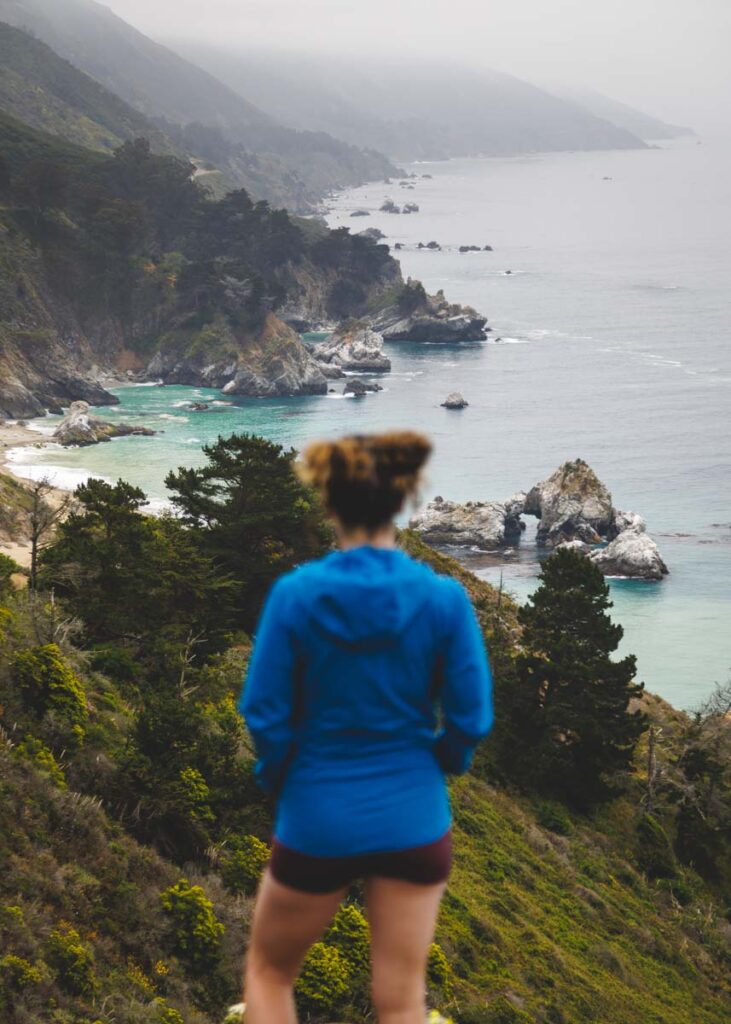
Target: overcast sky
[{"x": 669, "y": 56}]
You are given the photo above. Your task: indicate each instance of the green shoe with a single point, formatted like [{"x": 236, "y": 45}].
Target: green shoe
[
  {"x": 435, "y": 1017},
  {"x": 235, "y": 1014}
]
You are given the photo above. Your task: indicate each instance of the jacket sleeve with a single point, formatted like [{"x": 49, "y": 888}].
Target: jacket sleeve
[
  {"x": 466, "y": 691},
  {"x": 267, "y": 698}
]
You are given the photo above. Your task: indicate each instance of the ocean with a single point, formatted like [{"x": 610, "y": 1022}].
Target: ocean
[{"x": 610, "y": 342}]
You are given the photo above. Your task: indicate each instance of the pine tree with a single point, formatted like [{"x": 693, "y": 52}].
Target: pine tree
[
  {"x": 253, "y": 518},
  {"x": 570, "y": 727}
]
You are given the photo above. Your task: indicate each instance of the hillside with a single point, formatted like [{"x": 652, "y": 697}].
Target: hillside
[
  {"x": 427, "y": 110},
  {"x": 111, "y": 262},
  {"x": 213, "y": 123},
  {"x": 48, "y": 93},
  {"x": 129, "y": 859},
  {"x": 645, "y": 126}
]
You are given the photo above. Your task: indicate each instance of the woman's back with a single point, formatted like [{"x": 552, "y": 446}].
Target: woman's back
[
  {"x": 357, "y": 650},
  {"x": 369, "y": 682}
]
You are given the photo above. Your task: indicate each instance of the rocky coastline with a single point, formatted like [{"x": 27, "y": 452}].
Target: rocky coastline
[{"x": 417, "y": 316}]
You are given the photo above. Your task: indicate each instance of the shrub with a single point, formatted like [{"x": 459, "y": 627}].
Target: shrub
[
  {"x": 350, "y": 934},
  {"x": 438, "y": 971},
  {"x": 243, "y": 868},
  {"x": 655, "y": 855},
  {"x": 7, "y": 569},
  {"x": 323, "y": 983},
  {"x": 48, "y": 684},
  {"x": 167, "y": 1014},
  {"x": 19, "y": 973},
  {"x": 72, "y": 960},
  {"x": 554, "y": 817},
  {"x": 194, "y": 795},
  {"x": 117, "y": 663},
  {"x": 197, "y": 932},
  {"x": 37, "y": 752}
]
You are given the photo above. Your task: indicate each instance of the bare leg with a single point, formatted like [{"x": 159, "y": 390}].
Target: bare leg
[
  {"x": 402, "y": 917},
  {"x": 286, "y": 923}
]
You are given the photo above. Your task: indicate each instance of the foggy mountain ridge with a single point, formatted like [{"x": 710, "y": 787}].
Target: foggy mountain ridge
[
  {"x": 203, "y": 116},
  {"x": 640, "y": 123},
  {"x": 411, "y": 110},
  {"x": 48, "y": 93}
]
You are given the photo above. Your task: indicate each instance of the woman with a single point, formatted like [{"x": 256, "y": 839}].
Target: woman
[{"x": 354, "y": 656}]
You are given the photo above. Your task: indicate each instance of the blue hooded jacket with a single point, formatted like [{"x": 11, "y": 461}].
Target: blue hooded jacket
[{"x": 357, "y": 656}]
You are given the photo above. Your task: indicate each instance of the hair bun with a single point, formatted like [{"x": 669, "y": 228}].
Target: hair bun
[
  {"x": 365, "y": 479},
  {"x": 401, "y": 453}
]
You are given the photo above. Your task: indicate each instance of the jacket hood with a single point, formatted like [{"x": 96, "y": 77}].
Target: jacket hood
[{"x": 364, "y": 598}]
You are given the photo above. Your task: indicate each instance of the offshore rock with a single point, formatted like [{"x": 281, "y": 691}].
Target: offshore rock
[
  {"x": 633, "y": 554},
  {"x": 572, "y": 504},
  {"x": 455, "y": 401},
  {"x": 416, "y": 316},
  {"x": 353, "y": 346},
  {"x": 80, "y": 428},
  {"x": 487, "y": 525},
  {"x": 359, "y": 388}
]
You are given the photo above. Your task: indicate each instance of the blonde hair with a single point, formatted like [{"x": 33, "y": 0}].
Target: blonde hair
[{"x": 365, "y": 480}]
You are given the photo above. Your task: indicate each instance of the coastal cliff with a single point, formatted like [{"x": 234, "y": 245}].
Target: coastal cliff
[{"x": 119, "y": 267}]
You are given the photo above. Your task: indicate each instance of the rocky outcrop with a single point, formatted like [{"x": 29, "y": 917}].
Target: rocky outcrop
[
  {"x": 572, "y": 504},
  {"x": 487, "y": 525},
  {"x": 575, "y": 511},
  {"x": 390, "y": 207},
  {"x": 416, "y": 316},
  {"x": 330, "y": 371},
  {"x": 624, "y": 521},
  {"x": 455, "y": 400},
  {"x": 375, "y": 234},
  {"x": 80, "y": 428},
  {"x": 633, "y": 553},
  {"x": 359, "y": 388},
  {"x": 273, "y": 363},
  {"x": 353, "y": 346}
]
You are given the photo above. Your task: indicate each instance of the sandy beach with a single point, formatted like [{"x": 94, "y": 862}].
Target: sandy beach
[{"x": 13, "y": 435}]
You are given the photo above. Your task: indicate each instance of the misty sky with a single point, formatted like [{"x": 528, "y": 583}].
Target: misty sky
[{"x": 670, "y": 57}]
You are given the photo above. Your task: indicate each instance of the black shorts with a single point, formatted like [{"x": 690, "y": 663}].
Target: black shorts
[{"x": 422, "y": 865}]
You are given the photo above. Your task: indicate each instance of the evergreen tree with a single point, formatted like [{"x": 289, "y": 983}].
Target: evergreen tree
[
  {"x": 137, "y": 582},
  {"x": 570, "y": 729},
  {"x": 255, "y": 519}
]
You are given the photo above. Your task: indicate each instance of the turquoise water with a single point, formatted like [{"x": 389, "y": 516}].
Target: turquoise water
[{"x": 614, "y": 327}]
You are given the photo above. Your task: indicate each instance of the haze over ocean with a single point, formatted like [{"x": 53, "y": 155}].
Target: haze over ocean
[{"x": 614, "y": 348}]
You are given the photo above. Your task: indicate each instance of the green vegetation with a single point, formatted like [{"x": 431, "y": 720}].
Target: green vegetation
[
  {"x": 253, "y": 516},
  {"x": 46, "y": 92},
  {"x": 129, "y": 855},
  {"x": 197, "y": 933},
  {"x": 569, "y": 727},
  {"x": 128, "y": 246}
]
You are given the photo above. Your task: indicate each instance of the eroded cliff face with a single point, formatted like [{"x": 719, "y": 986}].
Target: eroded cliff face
[
  {"x": 269, "y": 361},
  {"x": 46, "y": 359}
]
